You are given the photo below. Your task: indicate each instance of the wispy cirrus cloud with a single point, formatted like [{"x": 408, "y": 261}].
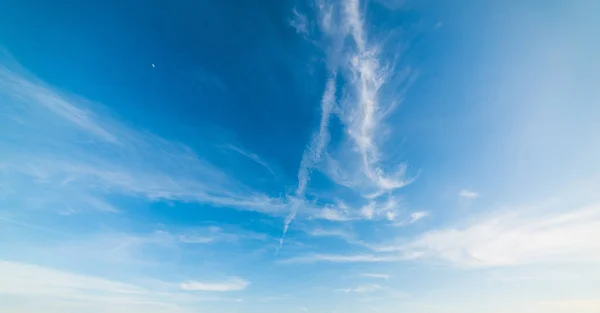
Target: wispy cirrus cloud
[
  {"x": 68, "y": 145},
  {"x": 32, "y": 94},
  {"x": 468, "y": 194},
  {"x": 516, "y": 238},
  {"x": 336, "y": 233},
  {"x": 414, "y": 217},
  {"x": 213, "y": 234},
  {"x": 376, "y": 210},
  {"x": 333, "y": 214},
  {"x": 313, "y": 153},
  {"x": 299, "y": 22},
  {"x": 357, "y": 162},
  {"x": 376, "y": 275},
  {"x": 373, "y": 292},
  {"x": 231, "y": 284},
  {"x": 362, "y": 110},
  {"x": 356, "y": 258},
  {"x": 30, "y": 279},
  {"x": 65, "y": 290},
  {"x": 362, "y": 289},
  {"x": 252, "y": 156}
]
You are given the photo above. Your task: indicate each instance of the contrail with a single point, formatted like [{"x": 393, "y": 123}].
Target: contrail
[{"x": 312, "y": 153}]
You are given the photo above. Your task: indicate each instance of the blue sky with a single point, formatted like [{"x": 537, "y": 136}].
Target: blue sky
[{"x": 288, "y": 156}]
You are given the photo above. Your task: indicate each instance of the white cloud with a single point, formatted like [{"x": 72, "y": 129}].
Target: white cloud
[
  {"x": 115, "y": 248},
  {"x": 276, "y": 298},
  {"x": 299, "y": 22},
  {"x": 373, "y": 292},
  {"x": 368, "y": 210},
  {"x": 70, "y": 146},
  {"x": 211, "y": 234},
  {"x": 28, "y": 279},
  {"x": 61, "y": 291},
  {"x": 357, "y": 258},
  {"x": 362, "y": 289},
  {"x": 516, "y": 238},
  {"x": 232, "y": 284},
  {"x": 357, "y": 162},
  {"x": 35, "y": 94},
  {"x": 312, "y": 154},
  {"x": 339, "y": 233},
  {"x": 253, "y": 157},
  {"x": 207, "y": 235},
  {"x": 360, "y": 162},
  {"x": 468, "y": 194},
  {"x": 388, "y": 209},
  {"x": 198, "y": 239},
  {"x": 376, "y": 275},
  {"x": 331, "y": 214},
  {"x": 363, "y": 110},
  {"x": 415, "y": 216}
]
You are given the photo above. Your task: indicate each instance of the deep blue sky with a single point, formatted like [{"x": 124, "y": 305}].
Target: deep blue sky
[{"x": 289, "y": 156}]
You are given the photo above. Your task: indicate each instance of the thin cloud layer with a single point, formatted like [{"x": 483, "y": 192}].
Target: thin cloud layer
[
  {"x": 376, "y": 275},
  {"x": 516, "y": 238},
  {"x": 358, "y": 258},
  {"x": 92, "y": 292},
  {"x": 231, "y": 284},
  {"x": 67, "y": 155},
  {"x": 468, "y": 194}
]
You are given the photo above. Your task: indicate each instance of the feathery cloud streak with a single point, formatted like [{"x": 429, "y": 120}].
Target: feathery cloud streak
[
  {"x": 360, "y": 111},
  {"x": 312, "y": 154},
  {"x": 468, "y": 194},
  {"x": 357, "y": 258},
  {"x": 375, "y": 275},
  {"x": 68, "y": 145},
  {"x": 91, "y": 292},
  {"x": 516, "y": 238},
  {"x": 232, "y": 284}
]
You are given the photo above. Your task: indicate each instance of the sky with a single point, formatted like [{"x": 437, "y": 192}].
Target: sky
[{"x": 300, "y": 156}]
